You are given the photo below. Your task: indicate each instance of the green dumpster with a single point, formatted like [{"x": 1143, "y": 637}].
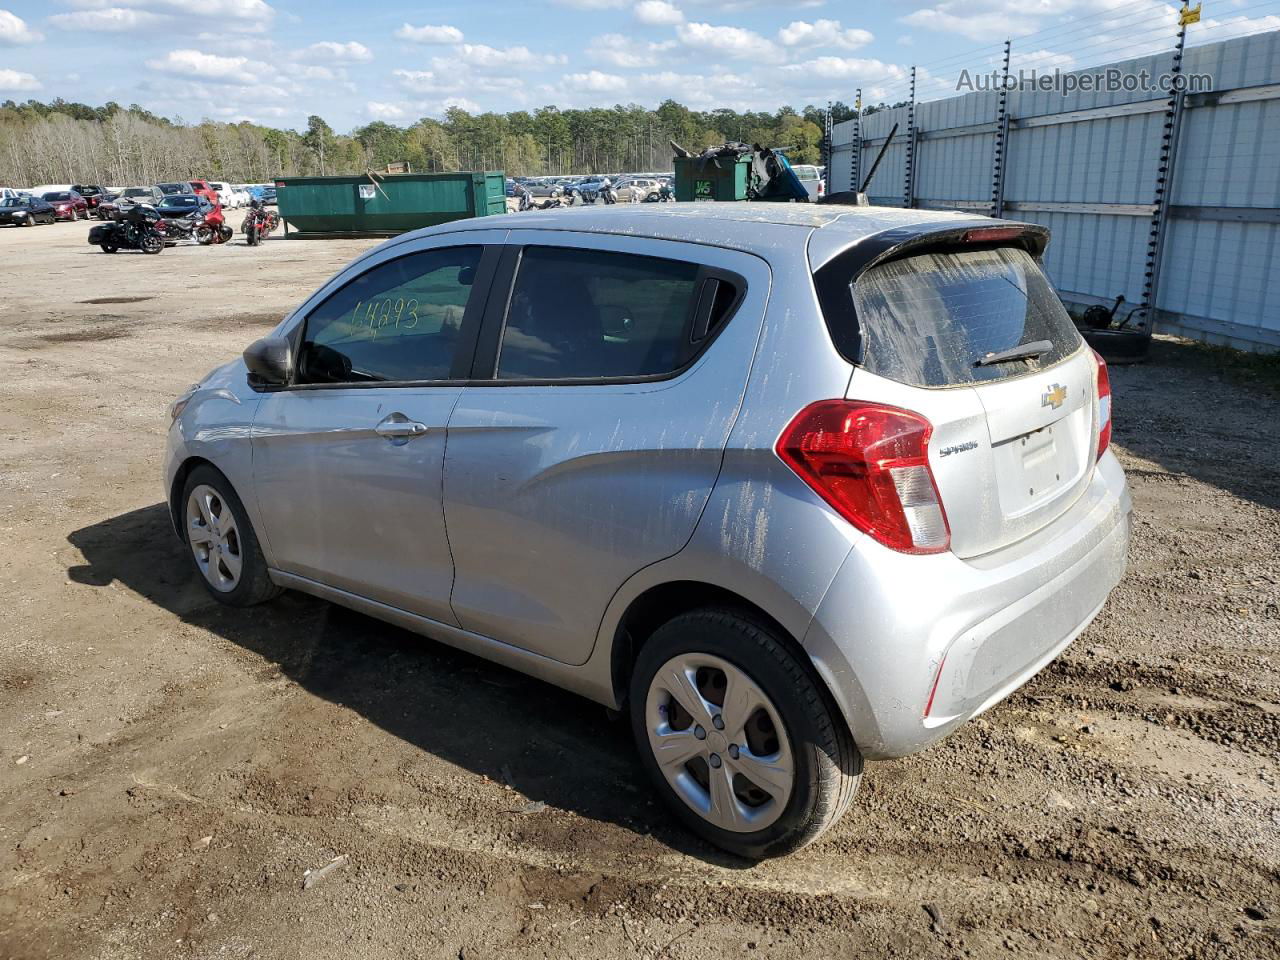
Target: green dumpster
[
  {"x": 384, "y": 205},
  {"x": 719, "y": 178}
]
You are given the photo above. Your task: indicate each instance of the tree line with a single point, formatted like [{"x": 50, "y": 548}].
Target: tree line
[{"x": 64, "y": 142}]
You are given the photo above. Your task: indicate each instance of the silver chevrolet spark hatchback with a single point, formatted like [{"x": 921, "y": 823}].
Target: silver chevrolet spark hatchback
[{"x": 796, "y": 486}]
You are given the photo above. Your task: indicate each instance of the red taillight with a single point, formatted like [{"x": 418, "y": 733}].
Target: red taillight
[
  {"x": 870, "y": 462},
  {"x": 1104, "y": 404},
  {"x": 991, "y": 234}
]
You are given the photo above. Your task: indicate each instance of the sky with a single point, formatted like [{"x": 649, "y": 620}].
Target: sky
[{"x": 278, "y": 61}]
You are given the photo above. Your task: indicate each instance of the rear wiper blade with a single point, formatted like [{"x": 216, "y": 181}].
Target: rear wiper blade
[{"x": 1025, "y": 351}]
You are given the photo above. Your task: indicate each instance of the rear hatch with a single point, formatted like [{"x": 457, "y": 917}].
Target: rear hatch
[{"x": 1014, "y": 440}]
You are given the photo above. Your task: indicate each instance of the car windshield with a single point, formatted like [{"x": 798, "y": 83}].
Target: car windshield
[
  {"x": 183, "y": 200},
  {"x": 174, "y": 188},
  {"x": 58, "y": 195},
  {"x": 137, "y": 192}
]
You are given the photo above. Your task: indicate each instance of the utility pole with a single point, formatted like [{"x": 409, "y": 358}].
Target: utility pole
[
  {"x": 855, "y": 143},
  {"x": 908, "y": 179},
  {"x": 826, "y": 138},
  {"x": 1164, "y": 174},
  {"x": 1000, "y": 150}
]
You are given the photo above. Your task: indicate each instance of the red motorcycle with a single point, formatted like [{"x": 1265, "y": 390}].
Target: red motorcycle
[
  {"x": 213, "y": 228},
  {"x": 259, "y": 223}
]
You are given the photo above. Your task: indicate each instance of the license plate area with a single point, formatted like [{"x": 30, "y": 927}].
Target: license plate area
[{"x": 1034, "y": 468}]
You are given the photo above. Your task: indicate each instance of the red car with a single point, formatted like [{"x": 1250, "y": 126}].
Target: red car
[
  {"x": 92, "y": 193},
  {"x": 201, "y": 188},
  {"x": 67, "y": 204}
]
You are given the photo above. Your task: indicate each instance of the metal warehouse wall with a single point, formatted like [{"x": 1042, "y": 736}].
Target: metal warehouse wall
[{"x": 1086, "y": 166}]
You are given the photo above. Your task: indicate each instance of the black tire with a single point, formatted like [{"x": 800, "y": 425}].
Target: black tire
[
  {"x": 828, "y": 766},
  {"x": 204, "y": 236},
  {"x": 109, "y": 247},
  {"x": 255, "y": 584},
  {"x": 152, "y": 244},
  {"x": 1119, "y": 346}
]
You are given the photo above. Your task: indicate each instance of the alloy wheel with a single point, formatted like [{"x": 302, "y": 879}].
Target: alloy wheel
[
  {"x": 719, "y": 742},
  {"x": 214, "y": 538}
]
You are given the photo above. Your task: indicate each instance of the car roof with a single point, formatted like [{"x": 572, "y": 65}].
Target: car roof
[{"x": 753, "y": 227}]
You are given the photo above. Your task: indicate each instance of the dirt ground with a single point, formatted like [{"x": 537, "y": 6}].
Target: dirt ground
[{"x": 170, "y": 769}]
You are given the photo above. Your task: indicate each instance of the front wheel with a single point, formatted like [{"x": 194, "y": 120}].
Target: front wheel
[
  {"x": 739, "y": 736},
  {"x": 221, "y": 541},
  {"x": 109, "y": 247},
  {"x": 152, "y": 243}
]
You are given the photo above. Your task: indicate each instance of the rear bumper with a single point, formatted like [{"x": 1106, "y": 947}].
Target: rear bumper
[{"x": 898, "y": 634}]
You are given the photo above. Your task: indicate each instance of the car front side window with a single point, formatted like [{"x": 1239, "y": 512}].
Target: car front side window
[{"x": 397, "y": 321}]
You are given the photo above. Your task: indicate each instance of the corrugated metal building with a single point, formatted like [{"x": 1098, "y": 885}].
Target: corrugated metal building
[{"x": 1086, "y": 165}]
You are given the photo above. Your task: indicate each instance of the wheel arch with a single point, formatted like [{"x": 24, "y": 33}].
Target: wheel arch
[
  {"x": 179, "y": 482},
  {"x": 662, "y": 602}
]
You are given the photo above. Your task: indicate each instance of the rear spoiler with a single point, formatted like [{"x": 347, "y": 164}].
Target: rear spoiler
[{"x": 834, "y": 279}]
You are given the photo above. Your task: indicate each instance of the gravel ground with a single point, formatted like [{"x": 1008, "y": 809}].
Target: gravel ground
[{"x": 171, "y": 770}]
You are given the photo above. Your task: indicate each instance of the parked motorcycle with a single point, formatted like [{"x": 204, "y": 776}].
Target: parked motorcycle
[
  {"x": 136, "y": 230},
  {"x": 212, "y": 228},
  {"x": 259, "y": 223},
  {"x": 174, "y": 229}
]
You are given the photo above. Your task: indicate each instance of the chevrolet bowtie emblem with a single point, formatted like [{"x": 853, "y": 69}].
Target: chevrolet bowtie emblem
[{"x": 1054, "y": 396}]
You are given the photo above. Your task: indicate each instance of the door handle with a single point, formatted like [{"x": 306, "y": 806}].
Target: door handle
[{"x": 399, "y": 427}]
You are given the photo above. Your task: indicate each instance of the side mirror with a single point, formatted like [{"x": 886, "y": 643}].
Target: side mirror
[{"x": 269, "y": 361}]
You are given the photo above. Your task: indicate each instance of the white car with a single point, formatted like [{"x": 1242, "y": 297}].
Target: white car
[
  {"x": 811, "y": 179},
  {"x": 228, "y": 196}
]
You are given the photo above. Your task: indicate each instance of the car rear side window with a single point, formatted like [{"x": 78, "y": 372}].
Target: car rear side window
[
  {"x": 927, "y": 319},
  {"x": 593, "y": 314},
  {"x": 398, "y": 321}
]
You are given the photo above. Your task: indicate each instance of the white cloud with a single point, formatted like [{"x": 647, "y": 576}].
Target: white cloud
[
  {"x": 592, "y": 4},
  {"x": 329, "y": 50},
  {"x": 480, "y": 55},
  {"x": 1036, "y": 60},
  {"x": 823, "y": 33},
  {"x": 730, "y": 41},
  {"x": 386, "y": 111},
  {"x": 848, "y": 68},
  {"x": 14, "y": 80},
  {"x": 106, "y": 20},
  {"x": 430, "y": 34},
  {"x": 14, "y": 30},
  {"x": 455, "y": 78},
  {"x": 208, "y": 66},
  {"x": 980, "y": 20},
  {"x": 618, "y": 50},
  {"x": 596, "y": 82},
  {"x": 658, "y": 13}
]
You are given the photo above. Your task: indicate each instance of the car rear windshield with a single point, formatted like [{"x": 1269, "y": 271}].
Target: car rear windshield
[
  {"x": 927, "y": 320},
  {"x": 60, "y": 195}
]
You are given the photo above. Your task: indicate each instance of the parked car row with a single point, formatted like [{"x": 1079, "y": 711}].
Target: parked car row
[
  {"x": 543, "y": 192},
  {"x": 75, "y": 201}
]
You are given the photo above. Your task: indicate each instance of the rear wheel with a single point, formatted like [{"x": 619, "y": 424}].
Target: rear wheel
[
  {"x": 221, "y": 541},
  {"x": 109, "y": 247},
  {"x": 738, "y": 735},
  {"x": 152, "y": 243}
]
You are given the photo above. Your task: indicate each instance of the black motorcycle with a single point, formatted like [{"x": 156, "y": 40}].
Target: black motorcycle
[{"x": 136, "y": 230}]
